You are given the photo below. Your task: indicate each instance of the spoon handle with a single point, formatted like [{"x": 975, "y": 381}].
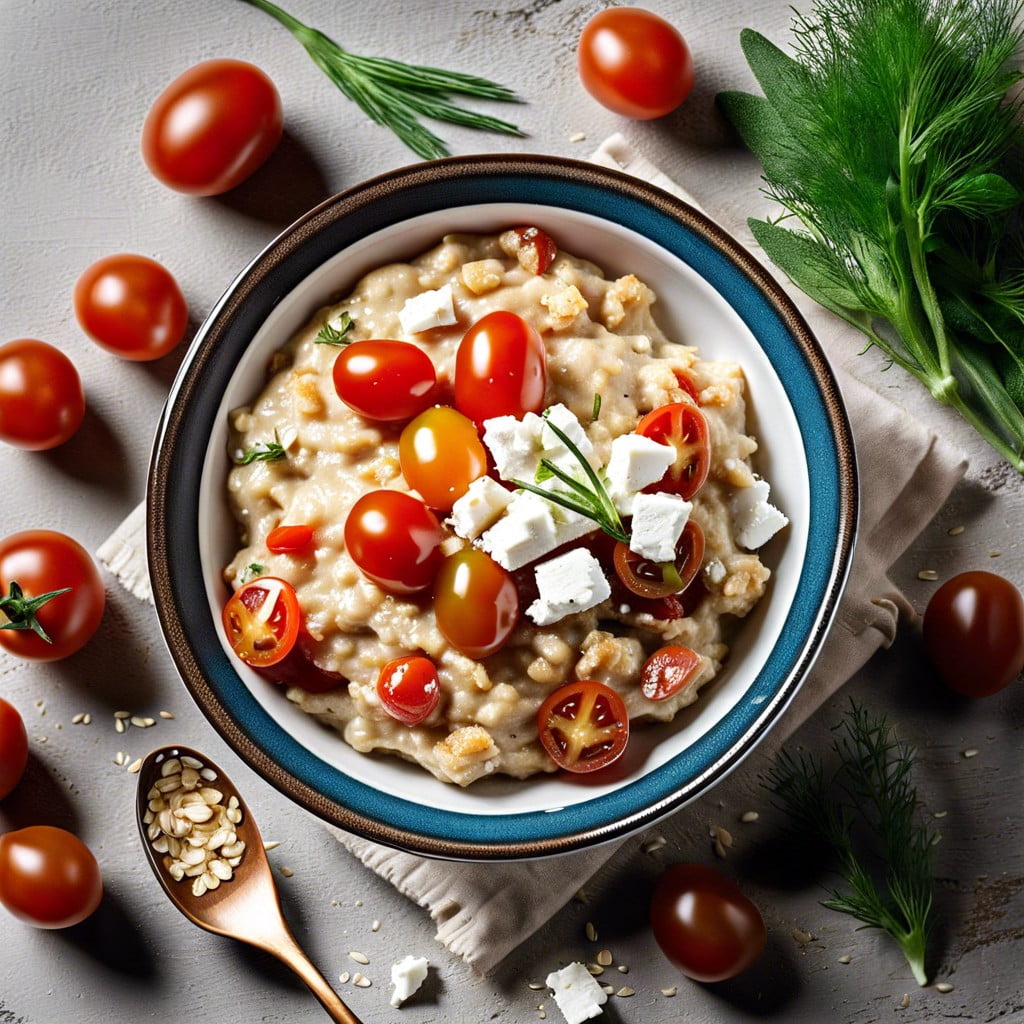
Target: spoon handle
[{"x": 289, "y": 952}]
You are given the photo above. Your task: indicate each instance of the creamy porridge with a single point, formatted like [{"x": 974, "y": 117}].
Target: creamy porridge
[{"x": 592, "y": 512}]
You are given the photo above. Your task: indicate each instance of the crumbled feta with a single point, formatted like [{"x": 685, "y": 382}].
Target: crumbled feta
[
  {"x": 755, "y": 520},
  {"x": 658, "y": 521},
  {"x": 407, "y": 975},
  {"x": 517, "y": 446},
  {"x": 577, "y": 993},
  {"x": 635, "y": 462},
  {"x": 429, "y": 309},
  {"x": 715, "y": 571},
  {"x": 523, "y": 534},
  {"x": 479, "y": 507},
  {"x": 567, "y": 584}
]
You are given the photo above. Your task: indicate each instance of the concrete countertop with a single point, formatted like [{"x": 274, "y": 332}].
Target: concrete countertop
[{"x": 78, "y": 77}]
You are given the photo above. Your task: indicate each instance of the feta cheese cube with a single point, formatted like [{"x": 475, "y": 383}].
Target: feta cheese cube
[
  {"x": 658, "y": 521},
  {"x": 430, "y": 309},
  {"x": 755, "y": 520},
  {"x": 567, "y": 584},
  {"x": 479, "y": 507},
  {"x": 577, "y": 993},
  {"x": 407, "y": 975},
  {"x": 514, "y": 445},
  {"x": 635, "y": 462},
  {"x": 523, "y": 534}
]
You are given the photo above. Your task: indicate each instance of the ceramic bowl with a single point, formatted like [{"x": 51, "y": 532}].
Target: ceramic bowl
[{"x": 711, "y": 292}]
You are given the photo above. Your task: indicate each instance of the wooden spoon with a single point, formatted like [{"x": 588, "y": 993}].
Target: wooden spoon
[{"x": 245, "y": 906}]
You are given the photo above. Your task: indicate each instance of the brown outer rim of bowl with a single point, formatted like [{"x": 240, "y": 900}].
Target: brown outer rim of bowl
[{"x": 344, "y": 204}]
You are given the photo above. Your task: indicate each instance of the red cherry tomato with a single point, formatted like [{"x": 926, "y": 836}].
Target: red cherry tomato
[
  {"x": 33, "y": 565},
  {"x": 974, "y": 633},
  {"x": 395, "y": 540},
  {"x": 685, "y": 381},
  {"x": 13, "y": 747},
  {"x": 704, "y": 923},
  {"x": 131, "y": 306},
  {"x": 476, "y": 603},
  {"x": 297, "y": 668},
  {"x": 41, "y": 398},
  {"x": 669, "y": 670},
  {"x": 262, "y": 620},
  {"x": 408, "y": 689},
  {"x": 441, "y": 454},
  {"x": 384, "y": 380},
  {"x": 654, "y": 580},
  {"x": 634, "y": 63},
  {"x": 683, "y": 426},
  {"x": 500, "y": 368},
  {"x": 212, "y": 127},
  {"x": 290, "y": 540},
  {"x": 48, "y": 877},
  {"x": 583, "y": 726}
]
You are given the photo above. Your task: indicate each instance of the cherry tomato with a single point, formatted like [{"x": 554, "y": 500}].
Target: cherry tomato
[
  {"x": 441, "y": 454},
  {"x": 35, "y": 564},
  {"x": 685, "y": 381},
  {"x": 395, "y": 540},
  {"x": 212, "y": 127},
  {"x": 13, "y": 747},
  {"x": 500, "y": 368},
  {"x": 131, "y": 306},
  {"x": 974, "y": 633},
  {"x": 683, "y": 426},
  {"x": 583, "y": 726},
  {"x": 297, "y": 668},
  {"x": 654, "y": 580},
  {"x": 634, "y": 63},
  {"x": 262, "y": 620},
  {"x": 48, "y": 877},
  {"x": 408, "y": 689},
  {"x": 668, "y": 670},
  {"x": 385, "y": 380},
  {"x": 41, "y": 398},
  {"x": 290, "y": 540},
  {"x": 704, "y": 923},
  {"x": 476, "y": 603}
]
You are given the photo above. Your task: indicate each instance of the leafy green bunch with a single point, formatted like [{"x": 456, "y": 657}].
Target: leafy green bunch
[{"x": 892, "y": 136}]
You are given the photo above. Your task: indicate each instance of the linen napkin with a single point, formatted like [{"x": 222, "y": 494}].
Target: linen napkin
[{"x": 483, "y": 911}]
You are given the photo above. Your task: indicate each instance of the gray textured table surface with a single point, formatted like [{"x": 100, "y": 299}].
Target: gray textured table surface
[{"x": 78, "y": 76}]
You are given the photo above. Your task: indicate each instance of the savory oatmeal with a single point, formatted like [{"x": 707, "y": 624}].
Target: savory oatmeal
[{"x": 490, "y": 516}]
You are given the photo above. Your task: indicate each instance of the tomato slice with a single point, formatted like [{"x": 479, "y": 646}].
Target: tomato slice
[
  {"x": 583, "y": 726},
  {"x": 683, "y": 426},
  {"x": 408, "y": 689},
  {"x": 655, "y": 579},
  {"x": 290, "y": 540},
  {"x": 668, "y": 670},
  {"x": 262, "y": 621}
]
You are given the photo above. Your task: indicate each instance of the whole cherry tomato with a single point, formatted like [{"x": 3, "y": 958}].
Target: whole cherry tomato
[
  {"x": 669, "y": 670},
  {"x": 654, "y": 579},
  {"x": 974, "y": 633},
  {"x": 683, "y": 426},
  {"x": 212, "y": 127},
  {"x": 583, "y": 726},
  {"x": 385, "y": 380},
  {"x": 476, "y": 603},
  {"x": 704, "y": 923},
  {"x": 51, "y": 593},
  {"x": 13, "y": 747},
  {"x": 41, "y": 398},
  {"x": 131, "y": 306},
  {"x": 395, "y": 540},
  {"x": 441, "y": 454},
  {"x": 500, "y": 368},
  {"x": 290, "y": 540},
  {"x": 262, "y": 620},
  {"x": 634, "y": 63},
  {"x": 408, "y": 689}
]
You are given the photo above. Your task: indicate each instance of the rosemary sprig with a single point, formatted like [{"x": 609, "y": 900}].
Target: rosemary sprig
[
  {"x": 336, "y": 333},
  {"x": 395, "y": 94},
  {"x": 263, "y": 451},
  {"x": 21, "y": 610}
]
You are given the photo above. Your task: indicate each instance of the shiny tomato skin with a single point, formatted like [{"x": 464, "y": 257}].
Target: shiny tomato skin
[
  {"x": 49, "y": 878},
  {"x": 290, "y": 540},
  {"x": 441, "y": 454},
  {"x": 685, "y": 427},
  {"x": 668, "y": 670},
  {"x": 634, "y": 63},
  {"x": 384, "y": 380},
  {"x": 13, "y": 747},
  {"x": 408, "y": 689},
  {"x": 395, "y": 541},
  {"x": 42, "y": 561},
  {"x": 646, "y": 579},
  {"x": 704, "y": 923},
  {"x": 131, "y": 306},
  {"x": 262, "y": 636},
  {"x": 500, "y": 368},
  {"x": 974, "y": 633},
  {"x": 42, "y": 402},
  {"x": 476, "y": 603},
  {"x": 212, "y": 127},
  {"x": 583, "y": 726}
]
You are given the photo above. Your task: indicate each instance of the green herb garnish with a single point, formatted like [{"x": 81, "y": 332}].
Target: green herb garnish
[
  {"x": 890, "y": 887},
  {"x": 252, "y": 570},
  {"x": 336, "y": 332},
  {"x": 597, "y": 406},
  {"x": 893, "y": 137},
  {"x": 395, "y": 94},
  {"x": 21, "y": 610},
  {"x": 263, "y": 451}
]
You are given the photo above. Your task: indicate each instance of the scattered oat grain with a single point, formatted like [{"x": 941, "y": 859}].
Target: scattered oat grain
[
  {"x": 135, "y": 766},
  {"x": 801, "y": 936},
  {"x": 578, "y": 137},
  {"x": 360, "y": 958},
  {"x": 653, "y": 844},
  {"x": 994, "y": 554},
  {"x": 846, "y": 959},
  {"x": 595, "y": 969},
  {"x": 970, "y": 753},
  {"x": 361, "y": 980},
  {"x": 608, "y": 990},
  {"x": 625, "y": 992},
  {"x": 944, "y": 987},
  {"x": 669, "y": 992},
  {"x": 591, "y": 932},
  {"x": 166, "y": 714},
  {"x": 622, "y": 969},
  {"x": 748, "y": 817},
  {"x": 86, "y": 719},
  {"x": 940, "y": 814},
  {"x": 536, "y": 986},
  {"x": 929, "y": 575},
  {"x": 604, "y": 958},
  {"x": 119, "y": 725},
  {"x": 955, "y": 531},
  {"x": 78, "y": 719},
  {"x": 375, "y": 926},
  {"x": 905, "y": 1001},
  {"x": 272, "y": 845},
  {"x": 343, "y": 977},
  {"x": 286, "y": 871},
  {"x": 122, "y": 714}
]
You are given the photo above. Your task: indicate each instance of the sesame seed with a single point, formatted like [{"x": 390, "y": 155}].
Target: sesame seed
[
  {"x": 846, "y": 959},
  {"x": 122, "y": 714},
  {"x": 343, "y": 977},
  {"x": 955, "y": 531},
  {"x": 625, "y": 992},
  {"x": 361, "y": 980},
  {"x": 669, "y": 992},
  {"x": 86, "y": 718},
  {"x": 927, "y": 574},
  {"x": 653, "y": 844},
  {"x": 595, "y": 969},
  {"x": 577, "y": 137},
  {"x": 604, "y": 958},
  {"x": 591, "y": 932},
  {"x": 970, "y": 753},
  {"x": 166, "y": 714},
  {"x": 119, "y": 725},
  {"x": 536, "y": 986},
  {"x": 375, "y": 927},
  {"x": 943, "y": 986},
  {"x": 360, "y": 958},
  {"x": 272, "y": 845},
  {"x": 286, "y": 871},
  {"x": 135, "y": 766},
  {"x": 748, "y": 817},
  {"x": 622, "y": 969},
  {"x": 940, "y": 814},
  {"x": 78, "y": 719}
]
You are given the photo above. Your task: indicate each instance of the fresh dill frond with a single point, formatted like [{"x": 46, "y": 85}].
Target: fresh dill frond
[{"x": 263, "y": 451}]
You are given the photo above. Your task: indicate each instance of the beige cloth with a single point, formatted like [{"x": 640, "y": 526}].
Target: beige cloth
[{"x": 483, "y": 911}]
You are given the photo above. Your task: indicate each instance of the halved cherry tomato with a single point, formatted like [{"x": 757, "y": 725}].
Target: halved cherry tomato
[
  {"x": 384, "y": 380},
  {"x": 262, "y": 620},
  {"x": 500, "y": 368},
  {"x": 13, "y": 747},
  {"x": 290, "y": 540},
  {"x": 441, "y": 454},
  {"x": 685, "y": 381},
  {"x": 583, "y": 726},
  {"x": 408, "y": 689},
  {"x": 297, "y": 668},
  {"x": 654, "y": 580},
  {"x": 476, "y": 603},
  {"x": 683, "y": 426},
  {"x": 41, "y": 398},
  {"x": 395, "y": 540},
  {"x": 668, "y": 670}
]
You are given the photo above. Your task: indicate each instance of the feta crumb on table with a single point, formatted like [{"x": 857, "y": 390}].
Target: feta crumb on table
[
  {"x": 407, "y": 976},
  {"x": 577, "y": 993}
]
